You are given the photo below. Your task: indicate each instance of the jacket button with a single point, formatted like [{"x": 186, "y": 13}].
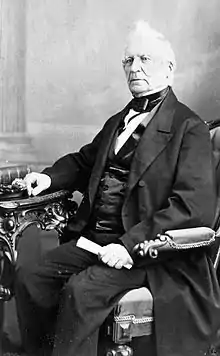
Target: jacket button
[{"x": 141, "y": 183}]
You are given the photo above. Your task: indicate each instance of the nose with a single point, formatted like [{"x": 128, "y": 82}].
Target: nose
[{"x": 136, "y": 64}]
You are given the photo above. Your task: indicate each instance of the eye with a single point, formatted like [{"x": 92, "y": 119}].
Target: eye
[
  {"x": 145, "y": 59},
  {"x": 128, "y": 61}
]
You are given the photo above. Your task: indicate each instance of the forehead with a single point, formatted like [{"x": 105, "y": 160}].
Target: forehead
[{"x": 139, "y": 45}]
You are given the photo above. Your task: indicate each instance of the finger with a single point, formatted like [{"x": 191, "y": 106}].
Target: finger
[
  {"x": 118, "y": 265},
  {"x": 29, "y": 180},
  {"x": 37, "y": 190},
  {"x": 111, "y": 263},
  {"x": 99, "y": 256},
  {"x": 102, "y": 252},
  {"x": 105, "y": 251},
  {"x": 105, "y": 259},
  {"x": 130, "y": 261},
  {"x": 30, "y": 177},
  {"x": 102, "y": 256},
  {"x": 29, "y": 188}
]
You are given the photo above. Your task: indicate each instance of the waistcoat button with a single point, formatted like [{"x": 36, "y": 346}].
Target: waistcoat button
[{"x": 141, "y": 183}]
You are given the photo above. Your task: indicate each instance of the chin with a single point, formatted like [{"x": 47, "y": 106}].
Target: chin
[
  {"x": 138, "y": 93},
  {"x": 138, "y": 90}
]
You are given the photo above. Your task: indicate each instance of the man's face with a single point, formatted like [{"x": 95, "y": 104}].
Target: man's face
[{"x": 145, "y": 69}]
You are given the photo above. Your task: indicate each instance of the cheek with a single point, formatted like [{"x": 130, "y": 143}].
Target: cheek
[
  {"x": 157, "y": 78},
  {"x": 127, "y": 72}
]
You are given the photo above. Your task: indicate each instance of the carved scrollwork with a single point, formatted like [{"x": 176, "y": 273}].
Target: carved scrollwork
[{"x": 50, "y": 211}]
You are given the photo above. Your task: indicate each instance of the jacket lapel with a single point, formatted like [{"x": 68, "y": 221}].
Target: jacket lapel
[
  {"x": 108, "y": 137},
  {"x": 154, "y": 140}
]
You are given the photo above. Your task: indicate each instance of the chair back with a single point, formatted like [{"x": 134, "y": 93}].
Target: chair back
[
  {"x": 214, "y": 128},
  {"x": 9, "y": 173}
]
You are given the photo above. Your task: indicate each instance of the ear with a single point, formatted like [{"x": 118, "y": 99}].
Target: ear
[
  {"x": 169, "y": 71},
  {"x": 171, "y": 66}
]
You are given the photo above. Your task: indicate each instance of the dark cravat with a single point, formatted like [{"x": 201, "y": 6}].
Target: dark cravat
[
  {"x": 144, "y": 104},
  {"x": 148, "y": 102}
]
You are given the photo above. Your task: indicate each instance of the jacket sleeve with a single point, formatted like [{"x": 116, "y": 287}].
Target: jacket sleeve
[
  {"x": 72, "y": 171},
  {"x": 193, "y": 195}
]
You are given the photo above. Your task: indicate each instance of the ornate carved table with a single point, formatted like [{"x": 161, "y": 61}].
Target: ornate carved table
[{"x": 49, "y": 211}]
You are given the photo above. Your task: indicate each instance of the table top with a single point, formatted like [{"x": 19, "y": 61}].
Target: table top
[{"x": 21, "y": 202}]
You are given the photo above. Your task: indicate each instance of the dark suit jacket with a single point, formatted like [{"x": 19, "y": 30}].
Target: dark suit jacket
[
  {"x": 170, "y": 186},
  {"x": 171, "y": 177}
]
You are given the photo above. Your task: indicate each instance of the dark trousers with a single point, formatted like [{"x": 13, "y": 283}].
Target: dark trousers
[{"x": 64, "y": 298}]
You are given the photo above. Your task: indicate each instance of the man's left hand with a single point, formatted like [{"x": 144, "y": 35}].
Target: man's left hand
[{"x": 115, "y": 255}]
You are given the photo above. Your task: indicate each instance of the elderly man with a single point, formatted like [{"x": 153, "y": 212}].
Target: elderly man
[{"x": 148, "y": 170}]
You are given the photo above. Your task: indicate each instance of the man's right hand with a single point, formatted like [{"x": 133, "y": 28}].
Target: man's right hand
[{"x": 40, "y": 180}]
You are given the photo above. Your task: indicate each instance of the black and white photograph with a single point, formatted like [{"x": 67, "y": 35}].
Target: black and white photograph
[{"x": 109, "y": 178}]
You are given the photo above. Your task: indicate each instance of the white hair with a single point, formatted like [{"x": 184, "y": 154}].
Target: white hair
[{"x": 156, "y": 41}]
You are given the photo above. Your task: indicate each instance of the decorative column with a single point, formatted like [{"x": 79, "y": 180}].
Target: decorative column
[{"x": 15, "y": 144}]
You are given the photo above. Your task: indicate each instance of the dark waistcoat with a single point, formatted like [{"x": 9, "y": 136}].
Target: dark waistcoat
[{"x": 106, "y": 215}]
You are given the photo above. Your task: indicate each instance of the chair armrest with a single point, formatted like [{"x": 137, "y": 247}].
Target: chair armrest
[{"x": 182, "y": 239}]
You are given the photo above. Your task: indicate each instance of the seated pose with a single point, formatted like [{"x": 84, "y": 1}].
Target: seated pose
[{"x": 147, "y": 171}]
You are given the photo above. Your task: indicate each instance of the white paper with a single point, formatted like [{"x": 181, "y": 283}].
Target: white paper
[{"x": 92, "y": 247}]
